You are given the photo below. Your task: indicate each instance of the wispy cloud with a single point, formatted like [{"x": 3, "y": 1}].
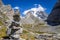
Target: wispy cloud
[{"x": 16, "y": 7}]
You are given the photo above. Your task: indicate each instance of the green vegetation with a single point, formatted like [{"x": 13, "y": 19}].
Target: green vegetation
[
  {"x": 1, "y": 23},
  {"x": 24, "y": 31},
  {"x": 40, "y": 32},
  {"x": 3, "y": 18},
  {"x": 26, "y": 35},
  {"x": 2, "y": 32}
]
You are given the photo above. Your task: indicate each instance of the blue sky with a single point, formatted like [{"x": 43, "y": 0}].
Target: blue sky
[{"x": 27, "y": 4}]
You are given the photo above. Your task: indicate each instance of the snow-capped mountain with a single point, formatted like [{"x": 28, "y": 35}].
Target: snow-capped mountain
[
  {"x": 42, "y": 15},
  {"x": 37, "y": 12},
  {"x": 34, "y": 15},
  {"x": 31, "y": 19}
]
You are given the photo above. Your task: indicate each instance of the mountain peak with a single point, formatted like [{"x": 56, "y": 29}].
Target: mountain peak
[
  {"x": 38, "y": 11},
  {"x": 1, "y": 2}
]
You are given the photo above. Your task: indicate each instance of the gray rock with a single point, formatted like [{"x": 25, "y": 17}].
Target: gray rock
[{"x": 54, "y": 18}]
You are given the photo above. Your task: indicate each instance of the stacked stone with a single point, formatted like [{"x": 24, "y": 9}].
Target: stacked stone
[
  {"x": 15, "y": 26},
  {"x": 14, "y": 30}
]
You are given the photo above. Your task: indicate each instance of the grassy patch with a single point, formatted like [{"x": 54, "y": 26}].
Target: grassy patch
[
  {"x": 40, "y": 32},
  {"x": 25, "y": 31},
  {"x": 3, "y": 32},
  {"x": 1, "y": 23}
]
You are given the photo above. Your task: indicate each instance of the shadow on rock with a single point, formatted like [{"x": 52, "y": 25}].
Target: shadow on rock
[{"x": 53, "y": 23}]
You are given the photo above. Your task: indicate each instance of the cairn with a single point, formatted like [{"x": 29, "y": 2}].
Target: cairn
[{"x": 14, "y": 30}]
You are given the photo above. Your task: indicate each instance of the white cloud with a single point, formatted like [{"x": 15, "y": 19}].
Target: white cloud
[
  {"x": 35, "y": 9},
  {"x": 22, "y": 17},
  {"x": 26, "y": 11},
  {"x": 16, "y": 7}
]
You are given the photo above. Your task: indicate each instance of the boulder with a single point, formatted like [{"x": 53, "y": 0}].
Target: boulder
[{"x": 54, "y": 17}]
